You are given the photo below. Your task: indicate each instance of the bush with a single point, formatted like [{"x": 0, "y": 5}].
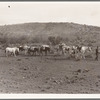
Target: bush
[{"x": 52, "y": 40}]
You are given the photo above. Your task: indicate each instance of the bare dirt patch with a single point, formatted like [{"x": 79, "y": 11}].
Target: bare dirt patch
[{"x": 48, "y": 74}]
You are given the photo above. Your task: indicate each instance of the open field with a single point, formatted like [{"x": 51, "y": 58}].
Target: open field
[{"x": 48, "y": 74}]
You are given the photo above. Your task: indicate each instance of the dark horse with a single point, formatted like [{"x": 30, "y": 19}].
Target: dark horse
[
  {"x": 45, "y": 49},
  {"x": 33, "y": 50}
]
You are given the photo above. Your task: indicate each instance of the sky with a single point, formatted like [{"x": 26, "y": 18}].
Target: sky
[{"x": 25, "y": 12}]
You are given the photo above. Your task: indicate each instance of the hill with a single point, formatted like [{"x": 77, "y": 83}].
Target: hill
[{"x": 69, "y": 32}]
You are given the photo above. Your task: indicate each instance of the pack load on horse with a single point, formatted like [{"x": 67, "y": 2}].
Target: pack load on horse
[{"x": 45, "y": 49}]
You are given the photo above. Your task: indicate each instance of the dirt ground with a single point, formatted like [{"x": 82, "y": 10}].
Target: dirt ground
[{"x": 48, "y": 74}]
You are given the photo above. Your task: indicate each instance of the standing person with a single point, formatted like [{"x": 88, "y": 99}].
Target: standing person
[{"x": 97, "y": 53}]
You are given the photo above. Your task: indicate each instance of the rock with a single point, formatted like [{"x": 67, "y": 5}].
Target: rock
[
  {"x": 18, "y": 59},
  {"x": 85, "y": 70},
  {"x": 98, "y": 76},
  {"x": 42, "y": 90},
  {"x": 48, "y": 88},
  {"x": 25, "y": 69},
  {"x": 66, "y": 77},
  {"x": 79, "y": 70}
]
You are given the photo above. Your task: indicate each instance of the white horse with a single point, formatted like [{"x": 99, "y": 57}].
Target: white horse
[
  {"x": 11, "y": 50},
  {"x": 85, "y": 49}
]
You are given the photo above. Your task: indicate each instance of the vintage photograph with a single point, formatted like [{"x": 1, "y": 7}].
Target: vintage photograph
[{"x": 50, "y": 47}]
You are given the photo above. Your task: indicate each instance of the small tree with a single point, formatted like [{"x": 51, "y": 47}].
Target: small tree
[
  {"x": 58, "y": 39},
  {"x": 52, "y": 40}
]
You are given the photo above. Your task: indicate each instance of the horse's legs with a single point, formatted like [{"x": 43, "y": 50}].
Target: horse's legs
[
  {"x": 14, "y": 54},
  {"x": 35, "y": 53},
  {"x": 83, "y": 55},
  {"x": 62, "y": 52},
  {"x": 25, "y": 52},
  {"x": 41, "y": 53},
  {"x": 46, "y": 53},
  {"x": 6, "y": 54}
]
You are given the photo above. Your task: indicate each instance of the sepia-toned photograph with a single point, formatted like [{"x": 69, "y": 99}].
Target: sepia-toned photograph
[{"x": 50, "y": 47}]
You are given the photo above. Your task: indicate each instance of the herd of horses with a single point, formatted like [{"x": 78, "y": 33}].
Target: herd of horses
[
  {"x": 31, "y": 50},
  {"x": 62, "y": 48},
  {"x": 77, "y": 51}
]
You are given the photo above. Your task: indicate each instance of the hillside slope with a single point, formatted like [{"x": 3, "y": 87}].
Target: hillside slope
[{"x": 71, "y": 31}]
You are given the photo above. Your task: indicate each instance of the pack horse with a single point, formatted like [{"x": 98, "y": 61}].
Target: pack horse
[{"x": 12, "y": 51}]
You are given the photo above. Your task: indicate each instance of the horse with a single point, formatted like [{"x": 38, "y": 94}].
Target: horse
[
  {"x": 12, "y": 50},
  {"x": 85, "y": 49},
  {"x": 44, "y": 48},
  {"x": 21, "y": 48},
  {"x": 65, "y": 49},
  {"x": 34, "y": 50},
  {"x": 24, "y": 48},
  {"x": 62, "y": 47}
]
